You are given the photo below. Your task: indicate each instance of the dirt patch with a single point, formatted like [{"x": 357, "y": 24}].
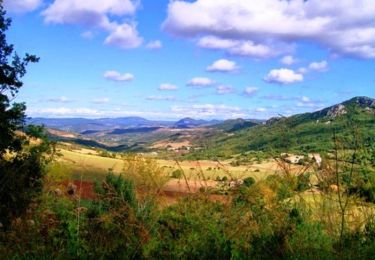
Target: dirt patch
[
  {"x": 85, "y": 189},
  {"x": 61, "y": 133},
  {"x": 182, "y": 186}
]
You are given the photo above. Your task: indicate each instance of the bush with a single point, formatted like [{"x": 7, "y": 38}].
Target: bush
[
  {"x": 177, "y": 174},
  {"x": 21, "y": 176},
  {"x": 115, "y": 226},
  {"x": 192, "y": 229},
  {"x": 249, "y": 181}
]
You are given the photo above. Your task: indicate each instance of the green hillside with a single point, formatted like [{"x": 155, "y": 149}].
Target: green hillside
[
  {"x": 309, "y": 132},
  {"x": 232, "y": 125}
]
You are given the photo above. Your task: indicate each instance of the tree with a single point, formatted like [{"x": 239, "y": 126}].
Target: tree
[
  {"x": 21, "y": 169},
  {"x": 12, "y": 69}
]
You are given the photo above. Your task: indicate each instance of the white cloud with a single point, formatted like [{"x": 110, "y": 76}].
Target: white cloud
[
  {"x": 222, "y": 65},
  {"x": 161, "y": 98},
  {"x": 319, "y": 66},
  {"x": 124, "y": 36},
  {"x": 224, "y": 89},
  {"x": 242, "y": 48},
  {"x": 61, "y": 99},
  {"x": 65, "y": 112},
  {"x": 305, "y": 99},
  {"x": 88, "y": 12},
  {"x": 200, "y": 82},
  {"x": 307, "y": 102},
  {"x": 167, "y": 86},
  {"x": 117, "y": 76},
  {"x": 250, "y": 91},
  {"x": 261, "y": 110},
  {"x": 212, "y": 42},
  {"x": 345, "y": 27},
  {"x": 302, "y": 70},
  {"x": 251, "y": 49},
  {"x": 100, "y": 101},
  {"x": 154, "y": 45},
  {"x": 288, "y": 60},
  {"x": 96, "y": 14},
  {"x": 21, "y": 6},
  {"x": 283, "y": 76}
]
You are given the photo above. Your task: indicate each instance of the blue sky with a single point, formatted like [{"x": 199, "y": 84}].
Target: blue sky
[{"x": 203, "y": 59}]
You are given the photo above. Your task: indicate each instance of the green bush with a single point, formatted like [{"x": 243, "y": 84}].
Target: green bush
[
  {"x": 177, "y": 174},
  {"x": 115, "y": 223},
  {"x": 249, "y": 181}
]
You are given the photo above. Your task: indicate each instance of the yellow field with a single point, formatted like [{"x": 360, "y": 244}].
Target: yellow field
[{"x": 92, "y": 166}]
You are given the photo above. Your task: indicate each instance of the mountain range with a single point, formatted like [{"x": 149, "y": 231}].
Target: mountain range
[{"x": 302, "y": 132}]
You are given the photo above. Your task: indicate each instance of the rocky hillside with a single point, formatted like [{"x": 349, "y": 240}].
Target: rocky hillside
[{"x": 308, "y": 132}]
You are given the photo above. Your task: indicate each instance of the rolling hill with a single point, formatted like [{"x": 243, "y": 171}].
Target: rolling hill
[{"x": 308, "y": 132}]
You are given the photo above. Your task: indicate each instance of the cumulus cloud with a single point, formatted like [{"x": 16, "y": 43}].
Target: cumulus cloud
[
  {"x": 243, "y": 48},
  {"x": 97, "y": 14},
  {"x": 345, "y": 27},
  {"x": 100, "y": 101},
  {"x": 222, "y": 65},
  {"x": 154, "y": 45},
  {"x": 250, "y": 91},
  {"x": 319, "y": 66},
  {"x": 283, "y": 76},
  {"x": 161, "y": 98},
  {"x": 316, "y": 66},
  {"x": 117, "y": 76},
  {"x": 224, "y": 89},
  {"x": 201, "y": 82},
  {"x": 288, "y": 60},
  {"x": 257, "y": 50},
  {"x": 212, "y": 42},
  {"x": 124, "y": 36},
  {"x": 21, "y": 6},
  {"x": 167, "y": 86}
]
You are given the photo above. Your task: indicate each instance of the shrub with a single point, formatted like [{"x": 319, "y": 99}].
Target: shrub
[
  {"x": 249, "y": 181},
  {"x": 115, "y": 227},
  {"x": 177, "y": 174}
]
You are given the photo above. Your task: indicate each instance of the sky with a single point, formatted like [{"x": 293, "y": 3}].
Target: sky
[{"x": 209, "y": 59}]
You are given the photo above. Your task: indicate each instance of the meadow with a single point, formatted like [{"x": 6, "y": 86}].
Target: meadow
[{"x": 90, "y": 165}]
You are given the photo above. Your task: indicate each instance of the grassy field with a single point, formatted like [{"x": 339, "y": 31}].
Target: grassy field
[{"x": 92, "y": 166}]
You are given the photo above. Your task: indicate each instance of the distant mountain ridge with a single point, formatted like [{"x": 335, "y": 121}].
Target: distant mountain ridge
[
  {"x": 89, "y": 126},
  {"x": 84, "y": 125},
  {"x": 308, "y": 132},
  {"x": 337, "y": 110}
]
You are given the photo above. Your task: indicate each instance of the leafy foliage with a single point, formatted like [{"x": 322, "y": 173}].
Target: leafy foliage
[{"x": 21, "y": 161}]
